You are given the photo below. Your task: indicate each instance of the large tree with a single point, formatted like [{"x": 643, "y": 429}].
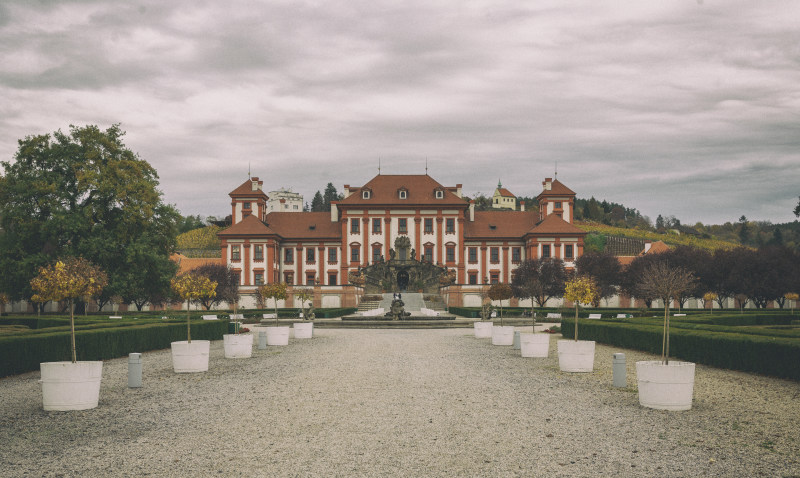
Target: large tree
[
  {"x": 227, "y": 280},
  {"x": 81, "y": 193},
  {"x": 539, "y": 280},
  {"x": 606, "y": 271}
]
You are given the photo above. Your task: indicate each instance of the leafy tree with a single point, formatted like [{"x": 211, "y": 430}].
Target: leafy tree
[
  {"x": 606, "y": 271},
  {"x": 694, "y": 260},
  {"x": 189, "y": 287},
  {"x": 661, "y": 280},
  {"x": 227, "y": 288},
  {"x": 330, "y": 195},
  {"x": 709, "y": 297},
  {"x": 660, "y": 226},
  {"x": 318, "y": 203},
  {"x": 82, "y": 193},
  {"x": 594, "y": 242},
  {"x": 539, "y": 280},
  {"x": 275, "y": 291},
  {"x": 797, "y": 208},
  {"x": 304, "y": 294},
  {"x": 190, "y": 223},
  {"x": 744, "y": 230},
  {"x": 500, "y": 292},
  {"x": 71, "y": 279},
  {"x": 630, "y": 278},
  {"x": 580, "y": 290}
]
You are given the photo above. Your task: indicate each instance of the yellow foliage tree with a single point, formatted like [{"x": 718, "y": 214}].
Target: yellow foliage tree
[
  {"x": 304, "y": 295},
  {"x": 69, "y": 279},
  {"x": 276, "y": 290},
  {"x": 191, "y": 287},
  {"x": 581, "y": 290},
  {"x": 710, "y": 297},
  {"x": 791, "y": 296}
]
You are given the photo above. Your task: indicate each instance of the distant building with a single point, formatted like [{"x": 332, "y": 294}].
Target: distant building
[
  {"x": 284, "y": 200},
  {"x": 503, "y": 199}
]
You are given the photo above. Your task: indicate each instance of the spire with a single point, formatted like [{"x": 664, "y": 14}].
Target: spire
[{"x": 499, "y": 184}]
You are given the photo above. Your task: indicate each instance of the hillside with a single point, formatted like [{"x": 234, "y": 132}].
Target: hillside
[
  {"x": 201, "y": 242},
  {"x": 671, "y": 239}
]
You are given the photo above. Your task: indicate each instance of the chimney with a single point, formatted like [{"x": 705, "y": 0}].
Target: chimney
[
  {"x": 522, "y": 206},
  {"x": 334, "y": 211},
  {"x": 547, "y": 184},
  {"x": 472, "y": 210},
  {"x": 255, "y": 184}
]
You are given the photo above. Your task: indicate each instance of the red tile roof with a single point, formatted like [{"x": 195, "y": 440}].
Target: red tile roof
[
  {"x": 185, "y": 264},
  {"x": 507, "y": 224},
  {"x": 553, "y": 224},
  {"x": 505, "y": 193},
  {"x": 557, "y": 189},
  {"x": 249, "y": 226},
  {"x": 304, "y": 225},
  {"x": 421, "y": 192},
  {"x": 246, "y": 189}
]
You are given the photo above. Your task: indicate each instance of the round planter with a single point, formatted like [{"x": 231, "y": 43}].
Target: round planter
[
  {"x": 70, "y": 386},
  {"x": 278, "y": 335},
  {"x": 576, "y": 356},
  {"x": 503, "y": 335},
  {"x": 303, "y": 330},
  {"x": 483, "y": 330},
  {"x": 665, "y": 387},
  {"x": 190, "y": 357},
  {"x": 238, "y": 346},
  {"x": 534, "y": 345}
]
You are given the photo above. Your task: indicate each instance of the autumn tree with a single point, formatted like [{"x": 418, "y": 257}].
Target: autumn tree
[
  {"x": 665, "y": 282},
  {"x": 500, "y": 292},
  {"x": 305, "y": 294},
  {"x": 70, "y": 279},
  {"x": 275, "y": 291},
  {"x": 189, "y": 287},
  {"x": 539, "y": 280},
  {"x": 580, "y": 290},
  {"x": 606, "y": 271},
  {"x": 227, "y": 281}
]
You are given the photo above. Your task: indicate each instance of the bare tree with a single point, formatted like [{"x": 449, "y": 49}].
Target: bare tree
[{"x": 661, "y": 280}]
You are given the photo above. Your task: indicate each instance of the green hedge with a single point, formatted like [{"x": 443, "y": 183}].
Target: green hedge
[
  {"x": 24, "y": 352},
  {"x": 775, "y": 356}
]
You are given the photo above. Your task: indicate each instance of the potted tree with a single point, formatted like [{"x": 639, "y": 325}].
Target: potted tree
[
  {"x": 188, "y": 356},
  {"x": 539, "y": 280},
  {"x": 276, "y": 335},
  {"x": 665, "y": 385},
  {"x": 237, "y": 345},
  {"x": 483, "y": 328},
  {"x": 69, "y": 385},
  {"x": 304, "y": 329},
  {"x": 577, "y": 355},
  {"x": 501, "y": 334}
]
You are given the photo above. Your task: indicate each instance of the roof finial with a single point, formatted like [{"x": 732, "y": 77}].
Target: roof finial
[
  {"x": 499, "y": 184},
  {"x": 426, "y": 165},
  {"x": 379, "y": 165},
  {"x": 556, "y": 176},
  {"x": 248, "y": 170}
]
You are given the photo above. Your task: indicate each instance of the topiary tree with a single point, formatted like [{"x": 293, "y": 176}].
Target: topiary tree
[
  {"x": 275, "y": 291},
  {"x": 70, "y": 279},
  {"x": 304, "y": 294},
  {"x": 191, "y": 287},
  {"x": 500, "y": 291},
  {"x": 580, "y": 290}
]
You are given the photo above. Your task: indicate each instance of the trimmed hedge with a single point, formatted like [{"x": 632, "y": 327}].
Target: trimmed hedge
[
  {"x": 21, "y": 353},
  {"x": 775, "y": 356}
]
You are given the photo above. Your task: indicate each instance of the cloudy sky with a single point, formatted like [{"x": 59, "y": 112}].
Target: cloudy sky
[{"x": 683, "y": 108}]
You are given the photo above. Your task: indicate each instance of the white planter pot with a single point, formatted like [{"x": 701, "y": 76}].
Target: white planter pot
[
  {"x": 71, "y": 386},
  {"x": 665, "y": 387},
  {"x": 576, "y": 356},
  {"x": 190, "y": 357},
  {"x": 503, "y": 335},
  {"x": 278, "y": 335},
  {"x": 534, "y": 345},
  {"x": 303, "y": 330},
  {"x": 238, "y": 346},
  {"x": 483, "y": 330}
]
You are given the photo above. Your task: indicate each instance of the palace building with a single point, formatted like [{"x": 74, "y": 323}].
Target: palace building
[{"x": 396, "y": 232}]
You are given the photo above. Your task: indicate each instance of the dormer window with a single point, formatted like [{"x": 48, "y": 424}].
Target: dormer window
[
  {"x": 366, "y": 194},
  {"x": 402, "y": 193},
  {"x": 439, "y": 194}
]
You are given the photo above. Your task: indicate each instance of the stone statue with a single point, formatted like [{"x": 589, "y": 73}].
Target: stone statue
[{"x": 397, "y": 310}]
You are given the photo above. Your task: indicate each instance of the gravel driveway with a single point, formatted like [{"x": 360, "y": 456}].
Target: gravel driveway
[{"x": 399, "y": 403}]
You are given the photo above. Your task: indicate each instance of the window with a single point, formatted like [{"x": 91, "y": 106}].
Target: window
[
  {"x": 376, "y": 253},
  {"x": 355, "y": 254},
  {"x": 376, "y": 225},
  {"x": 439, "y": 194},
  {"x": 365, "y": 194},
  {"x": 450, "y": 252},
  {"x": 288, "y": 277},
  {"x": 310, "y": 278},
  {"x": 568, "y": 252},
  {"x": 494, "y": 277},
  {"x": 473, "y": 255},
  {"x": 332, "y": 255},
  {"x": 558, "y": 204},
  {"x": 402, "y": 225},
  {"x": 246, "y": 205},
  {"x": 403, "y": 194},
  {"x": 236, "y": 253},
  {"x": 258, "y": 252},
  {"x": 428, "y": 256},
  {"x": 494, "y": 255},
  {"x": 473, "y": 278},
  {"x": 355, "y": 227},
  {"x": 546, "y": 251},
  {"x": 428, "y": 225},
  {"x": 332, "y": 278},
  {"x": 310, "y": 255},
  {"x": 450, "y": 225},
  {"x": 259, "y": 278},
  {"x": 516, "y": 254},
  {"x": 288, "y": 256},
  {"x": 295, "y": 207}
]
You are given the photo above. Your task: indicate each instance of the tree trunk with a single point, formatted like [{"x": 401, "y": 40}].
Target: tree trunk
[
  {"x": 72, "y": 331},
  {"x": 188, "y": 324}
]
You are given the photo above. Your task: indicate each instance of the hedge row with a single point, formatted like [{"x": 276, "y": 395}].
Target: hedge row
[
  {"x": 24, "y": 352},
  {"x": 775, "y": 356}
]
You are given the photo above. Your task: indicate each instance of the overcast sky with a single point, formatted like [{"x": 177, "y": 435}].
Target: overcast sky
[{"x": 681, "y": 108}]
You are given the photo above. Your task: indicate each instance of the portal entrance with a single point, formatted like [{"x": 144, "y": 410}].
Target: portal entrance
[{"x": 402, "y": 280}]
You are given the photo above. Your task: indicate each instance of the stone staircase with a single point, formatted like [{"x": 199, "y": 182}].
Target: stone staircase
[{"x": 435, "y": 302}]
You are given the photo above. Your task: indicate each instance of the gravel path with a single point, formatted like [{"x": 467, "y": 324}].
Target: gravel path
[{"x": 399, "y": 403}]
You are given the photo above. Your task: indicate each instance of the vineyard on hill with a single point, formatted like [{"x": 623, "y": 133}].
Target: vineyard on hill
[{"x": 671, "y": 239}]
